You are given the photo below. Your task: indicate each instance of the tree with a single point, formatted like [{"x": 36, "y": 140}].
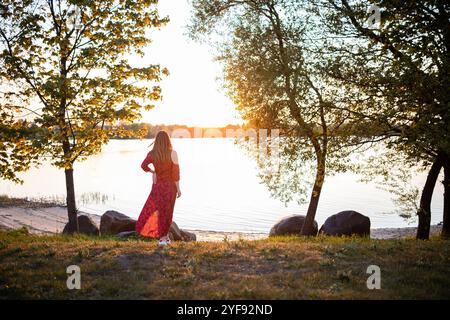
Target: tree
[
  {"x": 274, "y": 74},
  {"x": 446, "y": 215},
  {"x": 66, "y": 60},
  {"x": 403, "y": 69},
  {"x": 18, "y": 151}
]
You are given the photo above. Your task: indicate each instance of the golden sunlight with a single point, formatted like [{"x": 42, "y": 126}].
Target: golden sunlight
[{"x": 192, "y": 93}]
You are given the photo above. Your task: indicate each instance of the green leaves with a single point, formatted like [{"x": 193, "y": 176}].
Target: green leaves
[
  {"x": 69, "y": 58},
  {"x": 274, "y": 61},
  {"x": 400, "y": 69}
]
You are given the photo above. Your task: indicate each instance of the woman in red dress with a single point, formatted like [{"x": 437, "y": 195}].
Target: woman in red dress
[{"x": 156, "y": 216}]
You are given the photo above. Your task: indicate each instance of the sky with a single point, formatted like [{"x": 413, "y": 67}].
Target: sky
[{"x": 192, "y": 94}]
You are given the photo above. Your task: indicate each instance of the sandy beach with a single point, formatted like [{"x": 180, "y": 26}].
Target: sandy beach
[{"x": 51, "y": 220}]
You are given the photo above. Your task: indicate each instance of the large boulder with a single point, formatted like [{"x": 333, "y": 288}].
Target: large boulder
[
  {"x": 113, "y": 222},
  {"x": 178, "y": 234},
  {"x": 346, "y": 223},
  {"x": 85, "y": 226},
  {"x": 291, "y": 225}
]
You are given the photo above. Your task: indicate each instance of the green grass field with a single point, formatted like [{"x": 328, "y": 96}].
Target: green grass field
[{"x": 34, "y": 267}]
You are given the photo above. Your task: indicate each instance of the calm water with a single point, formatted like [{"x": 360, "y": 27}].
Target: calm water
[{"x": 220, "y": 187}]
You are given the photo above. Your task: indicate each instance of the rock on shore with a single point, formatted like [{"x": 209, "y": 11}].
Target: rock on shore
[
  {"x": 113, "y": 222},
  {"x": 290, "y": 225},
  {"x": 85, "y": 225},
  {"x": 51, "y": 220},
  {"x": 346, "y": 223}
]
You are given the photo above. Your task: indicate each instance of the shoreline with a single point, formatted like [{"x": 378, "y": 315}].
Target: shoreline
[{"x": 51, "y": 219}]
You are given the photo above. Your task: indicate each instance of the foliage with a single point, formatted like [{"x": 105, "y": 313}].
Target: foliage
[
  {"x": 389, "y": 170},
  {"x": 66, "y": 66},
  {"x": 388, "y": 84},
  {"x": 402, "y": 68},
  {"x": 273, "y": 58},
  {"x": 18, "y": 149}
]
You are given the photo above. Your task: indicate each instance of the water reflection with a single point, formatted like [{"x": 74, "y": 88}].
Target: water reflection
[{"x": 220, "y": 186}]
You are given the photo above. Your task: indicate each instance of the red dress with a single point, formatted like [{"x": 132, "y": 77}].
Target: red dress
[{"x": 156, "y": 216}]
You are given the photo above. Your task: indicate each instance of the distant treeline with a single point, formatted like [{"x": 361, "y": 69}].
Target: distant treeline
[{"x": 149, "y": 131}]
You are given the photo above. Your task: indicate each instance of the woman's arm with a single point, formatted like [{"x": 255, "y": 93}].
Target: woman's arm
[
  {"x": 146, "y": 162},
  {"x": 177, "y": 183},
  {"x": 176, "y": 172}
]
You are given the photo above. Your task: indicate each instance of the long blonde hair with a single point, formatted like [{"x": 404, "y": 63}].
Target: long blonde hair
[{"x": 162, "y": 148}]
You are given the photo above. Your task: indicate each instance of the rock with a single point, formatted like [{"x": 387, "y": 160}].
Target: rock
[
  {"x": 177, "y": 234},
  {"x": 188, "y": 236},
  {"x": 85, "y": 226},
  {"x": 125, "y": 234},
  {"x": 290, "y": 225},
  {"x": 346, "y": 223},
  {"x": 113, "y": 222}
]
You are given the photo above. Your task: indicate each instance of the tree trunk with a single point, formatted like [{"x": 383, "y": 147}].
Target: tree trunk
[
  {"x": 446, "y": 219},
  {"x": 308, "y": 226},
  {"x": 424, "y": 212},
  {"x": 70, "y": 200}
]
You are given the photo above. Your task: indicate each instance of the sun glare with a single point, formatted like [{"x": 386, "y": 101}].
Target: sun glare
[{"x": 192, "y": 93}]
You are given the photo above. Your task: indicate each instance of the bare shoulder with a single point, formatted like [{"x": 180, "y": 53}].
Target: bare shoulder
[{"x": 174, "y": 156}]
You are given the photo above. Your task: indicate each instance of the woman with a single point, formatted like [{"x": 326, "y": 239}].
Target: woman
[{"x": 156, "y": 216}]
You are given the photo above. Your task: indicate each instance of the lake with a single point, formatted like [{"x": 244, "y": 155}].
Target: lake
[{"x": 220, "y": 188}]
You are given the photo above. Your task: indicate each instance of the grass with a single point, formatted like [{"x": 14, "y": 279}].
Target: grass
[{"x": 34, "y": 267}]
